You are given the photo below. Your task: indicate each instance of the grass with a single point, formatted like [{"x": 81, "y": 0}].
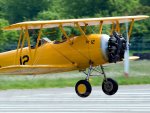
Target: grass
[
  {"x": 139, "y": 74},
  {"x": 67, "y": 82}
]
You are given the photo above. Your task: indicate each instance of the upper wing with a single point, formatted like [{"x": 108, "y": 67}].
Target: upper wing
[{"x": 71, "y": 22}]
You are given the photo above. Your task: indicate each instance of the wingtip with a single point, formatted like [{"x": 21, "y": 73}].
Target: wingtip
[
  {"x": 5, "y": 28},
  {"x": 146, "y": 16}
]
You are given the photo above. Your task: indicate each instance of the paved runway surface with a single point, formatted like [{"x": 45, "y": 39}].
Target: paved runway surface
[{"x": 129, "y": 99}]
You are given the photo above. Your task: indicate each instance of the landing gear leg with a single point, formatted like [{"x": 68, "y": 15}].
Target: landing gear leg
[
  {"x": 83, "y": 87},
  {"x": 109, "y": 86}
]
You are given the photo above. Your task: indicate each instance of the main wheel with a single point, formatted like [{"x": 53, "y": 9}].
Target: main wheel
[
  {"x": 109, "y": 86},
  {"x": 83, "y": 88}
]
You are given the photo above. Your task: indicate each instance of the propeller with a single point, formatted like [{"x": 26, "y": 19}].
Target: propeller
[{"x": 126, "y": 55}]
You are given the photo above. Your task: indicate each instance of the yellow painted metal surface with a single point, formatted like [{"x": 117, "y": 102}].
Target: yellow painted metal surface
[
  {"x": 81, "y": 89},
  {"x": 52, "y": 56}
]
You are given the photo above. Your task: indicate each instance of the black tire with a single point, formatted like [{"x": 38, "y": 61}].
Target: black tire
[
  {"x": 109, "y": 86},
  {"x": 86, "y": 89}
]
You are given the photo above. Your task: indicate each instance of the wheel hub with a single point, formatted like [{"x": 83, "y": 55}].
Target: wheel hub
[
  {"x": 108, "y": 86},
  {"x": 81, "y": 88}
]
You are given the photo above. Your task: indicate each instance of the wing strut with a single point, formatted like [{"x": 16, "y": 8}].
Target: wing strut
[
  {"x": 117, "y": 26},
  {"x": 23, "y": 36},
  {"x": 37, "y": 43},
  {"x": 101, "y": 27},
  {"x": 19, "y": 42},
  {"x": 83, "y": 33},
  {"x": 112, "y": 28},
  {"x": 63, "y": 31},
  {"x": 28, "y": 40},
  {"x": 84, "y": 29}
]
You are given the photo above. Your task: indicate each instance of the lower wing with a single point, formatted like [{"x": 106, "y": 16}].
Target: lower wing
[
  {"x": 35, "y": 69},
  {"x": 131, "y": 58}
]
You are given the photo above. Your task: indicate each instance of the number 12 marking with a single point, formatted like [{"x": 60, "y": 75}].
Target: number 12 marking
[{"x": 24, "y": 60}]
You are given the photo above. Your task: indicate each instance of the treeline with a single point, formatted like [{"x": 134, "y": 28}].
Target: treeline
[{"x": 13, "y": 11}]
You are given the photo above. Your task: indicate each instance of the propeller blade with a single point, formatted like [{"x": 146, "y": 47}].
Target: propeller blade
[{"x": 126, "y": 55}]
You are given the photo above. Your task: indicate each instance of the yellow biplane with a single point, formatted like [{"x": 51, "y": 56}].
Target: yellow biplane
[{"x": 90, "y": 51}]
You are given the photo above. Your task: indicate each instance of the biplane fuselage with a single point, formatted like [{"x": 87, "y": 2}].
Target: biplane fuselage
[{"x": 74, "y": 56}]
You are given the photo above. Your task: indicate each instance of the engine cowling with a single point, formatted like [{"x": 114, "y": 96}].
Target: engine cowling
[{"x": 116, "y": 47}]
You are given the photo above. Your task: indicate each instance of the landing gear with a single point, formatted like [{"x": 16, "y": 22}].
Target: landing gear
[
  {"x": 109, "y": 86},
  {"x": 83, "y": 87}
]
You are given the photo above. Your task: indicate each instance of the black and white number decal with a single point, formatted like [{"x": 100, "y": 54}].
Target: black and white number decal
[{"x": 24, "y": 60}]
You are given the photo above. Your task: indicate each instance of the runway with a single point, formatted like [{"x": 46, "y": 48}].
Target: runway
[{"x": 129, "y": 99}]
